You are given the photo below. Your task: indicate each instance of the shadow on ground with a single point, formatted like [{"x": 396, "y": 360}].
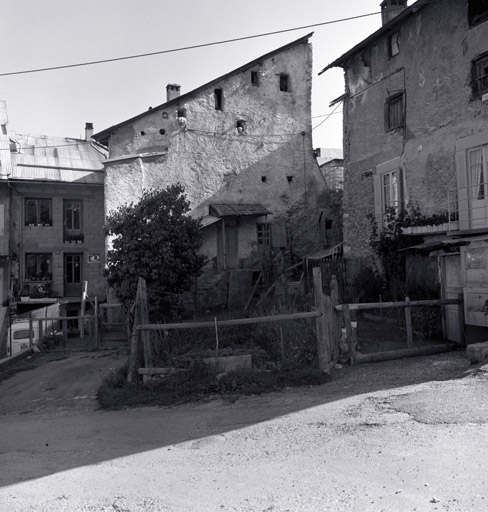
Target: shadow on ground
[{"x": 70, "y": 432}]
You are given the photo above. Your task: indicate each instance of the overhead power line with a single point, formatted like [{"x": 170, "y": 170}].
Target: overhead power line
[{"x": 193, "y": 47}]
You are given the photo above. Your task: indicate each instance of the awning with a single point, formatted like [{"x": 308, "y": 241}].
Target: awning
[
  {"x": 237, "y": 210},
  {"x": 431, "y": 245},
  {"x": 208, "y": 220}
]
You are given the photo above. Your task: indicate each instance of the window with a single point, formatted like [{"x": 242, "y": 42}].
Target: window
[
  {"x": 477, "y": 173},
  {"x": 38, "y": 212},
  {"x": 390, "y": 182},
  {"x": 255, "y": 78},
  {"x": 480, "y": 76},
  {"x": 219, "y": 99},
  {"x": 394, "y": 44},
  {"x": 388, "y": 190},
  {"x": 38, "y": 267},
  {"x": 284, "y": 82},
  {"x": 478, "y": 11},
  {"x": 264, "y": 234},
  {"x": 73, "y": 221},
  {"x": 395, "y": 112},
  {"x": 72, "y": 215}
]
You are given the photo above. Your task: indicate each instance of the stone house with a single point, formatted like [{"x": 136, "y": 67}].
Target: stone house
[
  {"x": 241, "y": 145},
  {"x": 416, "y": 137},
  {"x": 51, "y": 219}
]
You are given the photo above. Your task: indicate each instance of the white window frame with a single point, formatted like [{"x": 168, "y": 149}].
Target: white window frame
[{"x": 384, "y": 170}]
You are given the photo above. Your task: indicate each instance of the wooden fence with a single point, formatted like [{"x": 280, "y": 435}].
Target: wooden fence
[
  {"x": 330, "y": 317},
  {"x": 326, "y": 320}
]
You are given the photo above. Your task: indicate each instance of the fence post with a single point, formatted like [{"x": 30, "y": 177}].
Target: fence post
[
  {"x": 461, "y": 319},
  {"x": 408, "y": 322},
  {"x": 144, "y": 316},
  {"x": 95, "y": 326},
  {"x": 351, "y": 333},
  {"x": 31, "y": 330},
  {"x": 133, "y": 373},
  {"x": 320, "y": 322},
  {"x": 337, "y": 319}
]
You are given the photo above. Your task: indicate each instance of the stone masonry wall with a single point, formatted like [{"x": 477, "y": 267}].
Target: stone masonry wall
[
  {"x": 437, "y": 47},
  {"x": 271, "y": 162}
]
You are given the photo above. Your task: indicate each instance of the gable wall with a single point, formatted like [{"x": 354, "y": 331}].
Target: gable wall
[{"x": 434, "y": 68}]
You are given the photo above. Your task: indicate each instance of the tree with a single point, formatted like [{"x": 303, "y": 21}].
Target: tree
[{"x": 157, "y": 240}]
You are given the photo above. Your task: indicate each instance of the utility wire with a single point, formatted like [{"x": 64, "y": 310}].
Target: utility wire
[{"x": 203, "y": 45}]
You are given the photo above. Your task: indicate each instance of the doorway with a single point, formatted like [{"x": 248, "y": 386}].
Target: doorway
[{"x": 72, "y": 275}]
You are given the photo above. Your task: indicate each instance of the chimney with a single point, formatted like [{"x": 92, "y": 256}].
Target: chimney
[
  {"x": 391, "y": 9},
  {"x": 88, "y": 131},
  {"x": 172, "y": 91}
]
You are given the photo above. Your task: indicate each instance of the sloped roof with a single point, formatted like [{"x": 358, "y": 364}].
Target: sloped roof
[
  {"x": 103, "y": 135},
  {"x": 237, "y": 210},
  {"x": 328, "y": 154},
  {"x": 397, "y": 20},
  {"x": 48, "y": 158}
]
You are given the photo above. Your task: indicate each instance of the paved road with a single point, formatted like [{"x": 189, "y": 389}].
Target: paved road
[{"x": 387, "y": 437}]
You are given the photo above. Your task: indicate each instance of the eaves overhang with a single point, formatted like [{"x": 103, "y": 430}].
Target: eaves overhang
[{"x": 397, "y": 20}]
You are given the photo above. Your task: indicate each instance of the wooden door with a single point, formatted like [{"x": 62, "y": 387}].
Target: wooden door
[
  {"x": 73, "y": 275},
  {"x": 452, "y": 287}
]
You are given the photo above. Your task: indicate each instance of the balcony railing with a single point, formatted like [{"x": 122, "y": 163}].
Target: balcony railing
[{"x": 468, "y": 207}]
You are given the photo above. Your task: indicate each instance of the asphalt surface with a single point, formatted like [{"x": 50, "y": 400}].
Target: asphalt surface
[{"x": 406, "y": 435}]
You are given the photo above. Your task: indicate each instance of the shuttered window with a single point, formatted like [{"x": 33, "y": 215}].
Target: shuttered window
[
  {"x": 395, "y": 112},
  {"x": 480, "y": 76}
]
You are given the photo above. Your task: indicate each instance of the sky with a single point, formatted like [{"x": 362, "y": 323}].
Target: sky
[{"x": 46, "y": 33}]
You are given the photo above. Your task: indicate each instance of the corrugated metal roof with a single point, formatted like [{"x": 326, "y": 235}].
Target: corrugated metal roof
[
  {"x": 237, "y": 210},
  {"x": 43, "y": 157}
]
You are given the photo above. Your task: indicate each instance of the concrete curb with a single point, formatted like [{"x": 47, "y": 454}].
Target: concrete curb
[{"x": 7, "y": 361}]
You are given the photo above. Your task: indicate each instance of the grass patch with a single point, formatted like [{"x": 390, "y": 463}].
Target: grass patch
[{"x": 200, "y": 383}]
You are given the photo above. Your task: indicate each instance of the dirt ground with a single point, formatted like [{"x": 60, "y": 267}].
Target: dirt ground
[{"x": 398, "y": 436}]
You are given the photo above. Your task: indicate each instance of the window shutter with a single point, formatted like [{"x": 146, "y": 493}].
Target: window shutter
[
  {"x": 378, "y": 209},
  {"x": 463, "y": 202}
]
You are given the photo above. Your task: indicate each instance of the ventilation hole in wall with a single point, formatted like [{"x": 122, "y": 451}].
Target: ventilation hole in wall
[
  {"x": 328, "y": 224},
  {"x": 289, "y": 179},
  {"x": 162, "y": 131},
  {"x": 254, "y": 78},
  {"x": 143, "y": 133},
  {"x": 241, "y": 126},
  {"x": 264, "y": 179},
  {"x": 165, "y": 115},
  {"x": 219, "y": 99},
  {"x": 284, "y": 82},
  {"x": 181, "y": 112}
]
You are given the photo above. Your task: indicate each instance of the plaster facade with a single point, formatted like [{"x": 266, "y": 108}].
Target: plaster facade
[
  {"x": 254, "y": 147},
  {"x": 431, "y": 67}
]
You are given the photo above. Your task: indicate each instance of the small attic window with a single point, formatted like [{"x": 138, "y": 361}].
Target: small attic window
[
  {"x": 394, "y": 44},
  {"x": 289, "y": 179},
  {"x": 219, "y": 99},
  {"x": 181, "y": 112},
  {"x": 264, "y": 179},
  {"x": 143, "y": 133},
  {"x": 254, "y": 78},
  {"x": 284, "y": 82},
  {"x": 162, "y": 131}
]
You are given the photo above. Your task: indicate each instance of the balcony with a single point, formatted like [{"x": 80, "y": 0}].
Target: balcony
[{"x": 468, "y": 207}]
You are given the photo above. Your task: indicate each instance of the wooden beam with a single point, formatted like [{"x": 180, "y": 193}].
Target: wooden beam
[
  {"x": 406, "y": 352},
  {"x": 237, "y": 321},
  {"x": 401, "y": 304}
]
